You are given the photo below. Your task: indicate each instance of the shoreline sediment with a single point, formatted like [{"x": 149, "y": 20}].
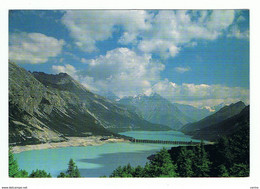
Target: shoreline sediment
[{"x": 72, "y": 142}]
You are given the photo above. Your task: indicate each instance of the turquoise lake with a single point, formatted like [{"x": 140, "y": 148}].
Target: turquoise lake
[{"x": 96, "y": 161}]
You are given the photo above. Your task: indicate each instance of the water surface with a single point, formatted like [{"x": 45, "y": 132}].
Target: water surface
[
  {"x": 160, "y": 135},
  {"x": 96, "y": 161}
]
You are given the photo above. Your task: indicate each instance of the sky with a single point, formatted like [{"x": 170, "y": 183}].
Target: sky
[{"x": 195, "y": 57}]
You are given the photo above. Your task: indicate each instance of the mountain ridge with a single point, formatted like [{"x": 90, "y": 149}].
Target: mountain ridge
[
  {"x": 157, "y": 109},
  {"x": 225, "y": 127},
  {"x": 47, "y": 108},
  {"x": 221, "y": 115},
  {"x": 195, "y": 113}
]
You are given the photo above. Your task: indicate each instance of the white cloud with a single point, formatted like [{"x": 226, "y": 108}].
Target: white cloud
[
  {"x": 87, "y": 27},
  {"x": 235, "y": 32},
  {"x": 200, "y": 95},
  {"x": 220, "y": 19},
  {"x": 33, "y": 48},
  {"x": 164, "y": 33},
  {"x": 125, "y": 73},
  {"x": 69, "y": 69},
  {"x": 182, "y": 69},
  {"x": 121, "y": 71},
  {"x": 83, "y": 60},
  {"x": 163, "y": 47},
  {"x": 171, "y": 30}
]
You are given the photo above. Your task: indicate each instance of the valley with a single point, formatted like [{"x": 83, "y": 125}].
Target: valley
[{"x": 55, "y": 112}]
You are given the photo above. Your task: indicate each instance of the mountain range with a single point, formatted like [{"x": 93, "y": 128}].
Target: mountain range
[
  {"x": 48, "y": 108},
  {"x": 225, "y": 127},
  {"x": 222, "y": 122},
  {"x": 194, "y": 113},
  {"x": 157, "y": 109}
]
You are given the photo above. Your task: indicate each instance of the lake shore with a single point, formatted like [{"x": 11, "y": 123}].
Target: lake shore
[{"x": 71, "y": 142}]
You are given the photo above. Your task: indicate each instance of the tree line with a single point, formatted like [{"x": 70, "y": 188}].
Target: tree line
[
  {"x": 189, "y": 163},
  {"x": 229, "y": 157},
  {"x": 15, "y": 171}
]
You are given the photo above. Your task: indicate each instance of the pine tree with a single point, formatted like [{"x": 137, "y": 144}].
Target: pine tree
[
  {"x": 117, "y": 172},
  {"x": 126, "y": 171},
  {"x": 13, "y": 166},
  {"x": 14, "y": 170},
  {"x": 40, "y": 174},
  {"x": 77, "y": 173},
  {"x": 162, "y": 165},
  {"x": 185, "y": 163},
  {"x": 72, "y": 170},
  {"x": 23, "y": 174},
  {"x": 224, "y": 154},
  {"x": 239, "y": 170},
  {"x": 223, "y": 172},
  {"x": 147, "y": 170},
  {"x": 201, "y": 161},
  {"x": 62, "y": 175},
  {"x": 138, "y": 171}
]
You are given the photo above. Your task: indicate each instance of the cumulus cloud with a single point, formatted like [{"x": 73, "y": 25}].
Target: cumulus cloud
[
  {"x": 220, "y": 19},
  {"x": 164, "y": 33},
  {"x": 182, "y": 69},
  {"x": 33, "y": 48},
  {"x": 200, "y": 95},
  {"x": 88, "y": 27},
  {"x": 83, "y": 60},
  {"x": 171, "y": 30},
  {"x": 121, "y": 71},
  {"x": 237, "y": 33},
  {"x": 126, "y": 73},
  {"x": 69, "y": 69}
]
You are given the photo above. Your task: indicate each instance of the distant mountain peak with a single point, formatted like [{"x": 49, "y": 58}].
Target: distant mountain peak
[
  {"x": 152, "y": 94},
  {"x": 61, "y": 74},
  {"x": 55, "y": 77},
  {"x": 62, "y": 81},
  {"x": 218, "y": 107},
  {"x": 238, "y": 104},
  {"x": 157, "y": 109}
]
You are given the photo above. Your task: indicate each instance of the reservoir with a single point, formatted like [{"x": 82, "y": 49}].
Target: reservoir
[{"x": 96, "y": 161}]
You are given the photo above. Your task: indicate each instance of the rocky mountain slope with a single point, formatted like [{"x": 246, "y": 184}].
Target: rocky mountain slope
[
  {"x": 195, "y": 113},
  {"x": 221, "y": 115},
  {"x": 47, "y": 108},
  {"x": 157, "y": 109},
  {"x": 224, "y": 128}
]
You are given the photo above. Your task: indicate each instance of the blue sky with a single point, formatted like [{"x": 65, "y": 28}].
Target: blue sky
[{"x": 196, "y": 57}]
